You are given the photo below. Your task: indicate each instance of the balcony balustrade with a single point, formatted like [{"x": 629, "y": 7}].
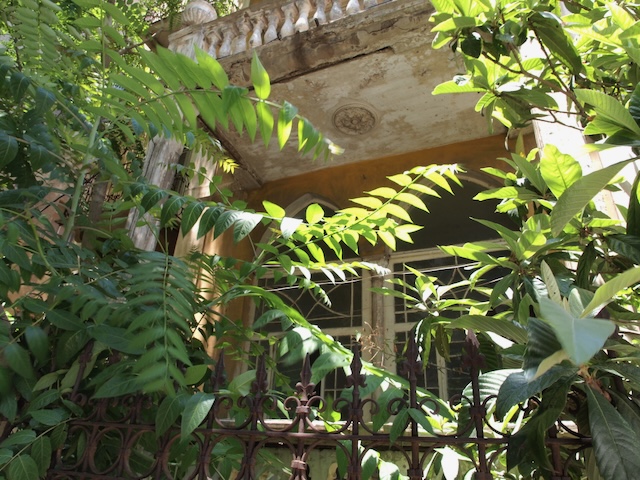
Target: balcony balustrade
[{"x": 255, "y": 26}]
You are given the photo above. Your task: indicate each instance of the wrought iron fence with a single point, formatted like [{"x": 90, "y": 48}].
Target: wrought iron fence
[{"x": 264, "y": 436}]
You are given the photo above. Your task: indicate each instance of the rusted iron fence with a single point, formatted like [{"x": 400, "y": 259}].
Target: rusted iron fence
[{"x": 261, "y": 436}]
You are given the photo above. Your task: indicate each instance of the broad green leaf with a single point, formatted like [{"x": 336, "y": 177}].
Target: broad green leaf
[
  {"x": 314, "y": 213},
  {"x": 559, "y": 171},
  {"x": 23, "y": 467},
  {"x": 208, "y": 220},
  {"x": 195, "y": 373},
  {"x": 19, "y": 84},
  {"x": 626, "y": 245},
  {"x": 249, "y": 117},
  {"x": 384, "y": 192},
  {"x": 285, "y": 121},
  {"x": 259, "y": 78},
  {"x": 115, "y": 338},
  {"x": 21, "y": 437},
  {"x": 190, "y": 216},
  {"x": 581, "y": 338},
  {"x": 267, "y": 317},
  {"x": 118, "y": 385},
  {"x": 553, "y": 36},
  {"x": 608, "y": 107},
  {"x": 245, "y": 223},
  {"x": 265, "y": 121},
  {"x": 195, "y": 411},
  {"x": 18, "y": 360},
  {"x": 504, "y": 328},
  {"x": 580, "y": 193},
  {"x": 370, "y": 202},
  {"x": 528, "y": 444},
  {"x": 8, "y": 148},
  {"x": 421, "y": 418},
  {"x": 38, "y": 343},
  {"x": 273, "y": 210},
  {"x": 169, "y": 411},
  {"x": 225, "y": 220},
  {"x": 170, "y": 209},
  {"x": 41, "y": 452},
  {"x": 326, "y": 363},
  {"x": 412, "y": 200},
  {"x": 607, "y": 291},
  {"x": 460, "y": 84},
  {"x": 218, "y": 75},
  {"x": 614, "y": 442},
  {"x": 65, "y": 320},
  {"x": 633, "y": 212},
  {"x": 49, "y": 417},
  {"x": 518, "y": 389},
  {"x": 403, "y": 180},
  {"x": 152, "y": 198},
  {"x": 399, "y": 424}
]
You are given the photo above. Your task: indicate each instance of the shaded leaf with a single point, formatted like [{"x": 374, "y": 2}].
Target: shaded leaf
[
  {"x": 23, "y": 467},
  {"x": 614, "y": 442},
  {"x": 518, "y": 389},
  {"x": 169, "y": 411}
]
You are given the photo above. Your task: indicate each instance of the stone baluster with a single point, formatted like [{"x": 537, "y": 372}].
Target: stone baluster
[
  {"x": 212, "y": 40},
  {"x": 228, "y": 34},
  {"x": 287, "y": 27},
  {"x": 320, "y": 17},
  {"x": 336, "y": 11},
  {"x": 240, "y": 43},
  {"x": 304, "y": 7},
  {"x": 353, "y": 7},
  {"x": 274, "y": 17},
  {"x": 258, "y": 22}
]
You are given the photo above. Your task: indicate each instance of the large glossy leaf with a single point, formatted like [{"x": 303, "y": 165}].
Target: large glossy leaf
[
  {"x": 559, "y": 170},
  {"x": 23, "y": 467},
  {"x": 610, "y": 108},
  {"x": 541, "y": 345},
  {"x": 480, "y": 323},
  {"x": 614, "y": 442},
  {"x": 581, "y": 338},
  {"x": 195, "y": 411},
  {"x": 265, "y": 121},
  {"x": 517, "y": 388},
  {"x": 259, "y": 78},
  {"x": 190, "y": 216},
  {"x": 41, "y": 453},
  {"x": 633, "y": 213},
  {"x": 285, "y": 122},
  {"x": 607, "y": 291},
  {"x": 245, "y": 224},
  {"x": 8, "y": 148},
  {"x": 553, "y": 36},
  {"x": 169, "y": 411},
  {"x": 527, "y": 445},
  {"x": 576, "y": 197},
  {"x": 118, "y": 385}
]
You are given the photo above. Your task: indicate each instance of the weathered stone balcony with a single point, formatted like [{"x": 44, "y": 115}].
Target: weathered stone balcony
[
  {"x": 253, "y": 27},
  {"x": 362, "y": 71}
]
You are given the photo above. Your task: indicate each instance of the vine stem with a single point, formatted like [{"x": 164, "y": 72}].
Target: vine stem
[{"x": 77, "y": 192}]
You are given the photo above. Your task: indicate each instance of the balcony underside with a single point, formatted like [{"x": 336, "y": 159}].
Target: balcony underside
[{"x": 366, "y": 82}]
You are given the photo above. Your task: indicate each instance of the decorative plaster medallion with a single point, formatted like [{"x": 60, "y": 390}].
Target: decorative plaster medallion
[{"x": 354, "y": 119}]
